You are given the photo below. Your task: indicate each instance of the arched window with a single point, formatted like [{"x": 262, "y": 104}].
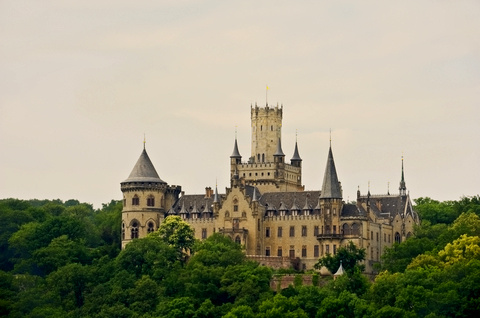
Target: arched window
[
  {"x": 227, "y": 214},
  {"x": 258, "y": 156},
  {"x": 346, "y": 229},
  {"x": 150, "y": 201},
  {"x": 134, "y": 230},
  {"x": 135, "y": 200},
  {"x": 263, "y": 157},
  {"x": 151, "y": 227},
  {"x": 409, "y": 234},
  {"x": 238, "y": 240},
  {"x": 123, "y": 231},
  {"x": 398, "y": 239},
  {"x": 355, "y": 229}
]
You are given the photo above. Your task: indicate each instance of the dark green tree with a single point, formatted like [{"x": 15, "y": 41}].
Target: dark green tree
[{"x": 350, "y": 256}]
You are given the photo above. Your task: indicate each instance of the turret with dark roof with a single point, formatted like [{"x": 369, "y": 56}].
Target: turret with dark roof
[
  {"x": 236, "y": 153},
  {"x": 279, "y": 152},
  {"x": 403, "y": 186},
  {"x": 144, "y": 171},
  {"x": 331, "y": 187},
  {"x": 296, "y": 160}
]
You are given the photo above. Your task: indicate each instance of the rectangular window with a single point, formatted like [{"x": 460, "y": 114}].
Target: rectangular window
[
  {"x": 304, "y": 230},
  {"x": 204, "y": 234},
  {"x": 279, "y": 251},
  {"x": 267, "y": 251},
  {"x": 292, "y": 252},
  {"x": 235, "y": 208},
  {"x": 371, "y": 235},
  {"x": 304, "y": 251},
  {"x": 279, "y": 231},
  {"x": 334, "y": 249},
  {"x": 315, "y": 251},
  {"x": 292, "y": 231},
  {"x": 267, "y": 232},
  {"x": 315, "y": 230},
  {"x": 334, "y": 229},
  {"x": 388, "y": 238},
  {"x": 327, "y": 249},
  {"x": 258, "y": 225},
  {"x": 377, "y": 236},
  {"x": 384, "y": 237}
]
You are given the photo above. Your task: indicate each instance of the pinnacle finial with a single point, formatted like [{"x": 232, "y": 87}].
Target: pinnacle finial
[{"x": 144, "y": 141}]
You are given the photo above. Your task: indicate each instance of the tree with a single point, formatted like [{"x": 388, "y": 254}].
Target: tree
[
  {"x": 349, "y": 255},
  {"x": 178, "y": 234}
]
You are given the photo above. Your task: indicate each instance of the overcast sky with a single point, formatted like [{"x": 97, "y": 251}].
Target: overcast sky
[{"x": 82, "y": 81}]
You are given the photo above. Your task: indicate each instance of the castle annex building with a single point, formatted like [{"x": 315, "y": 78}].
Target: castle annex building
[{"x": 266, "y": 208}]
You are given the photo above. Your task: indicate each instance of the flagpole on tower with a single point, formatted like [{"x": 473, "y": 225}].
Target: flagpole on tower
[{"x": 266, "y": 96}]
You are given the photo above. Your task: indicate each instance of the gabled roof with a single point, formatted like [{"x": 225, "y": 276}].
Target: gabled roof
[
  {"x": 144, "y": 171},
  {"x": 331, "y": 186}
]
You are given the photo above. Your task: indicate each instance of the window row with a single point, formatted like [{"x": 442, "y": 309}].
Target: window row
[
  {"x": 317, "y": 251},
  {"x": 136, "y": 200},
  {"x": 354, "y": 229},
  {"x": 134, "y": 229}
]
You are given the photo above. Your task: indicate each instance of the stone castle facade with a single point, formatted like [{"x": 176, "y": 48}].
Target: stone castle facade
[{"x": 266, "y": 208}]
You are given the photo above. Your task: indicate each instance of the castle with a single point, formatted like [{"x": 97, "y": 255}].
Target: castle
[{"x": 266, "y": 208}]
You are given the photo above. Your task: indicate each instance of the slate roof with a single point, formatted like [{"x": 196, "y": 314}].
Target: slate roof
[
  {"x": 275, "y": 199},
  {"x": 331, "y": 186},
  {"x": 279, "y": 152},
  {"x": 144, "y": 171},
  {"x": 193, "y": 203},
  {"x": 236, "y": 153},
  {"x": 296, "y": 156}
]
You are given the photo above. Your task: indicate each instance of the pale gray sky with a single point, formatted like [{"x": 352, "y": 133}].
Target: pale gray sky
[{"x": 81, "y": 82}]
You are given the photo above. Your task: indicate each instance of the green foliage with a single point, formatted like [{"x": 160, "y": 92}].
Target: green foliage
[
  {"x": 63, "y": 259},
  {"x": 349, "y": 255}
]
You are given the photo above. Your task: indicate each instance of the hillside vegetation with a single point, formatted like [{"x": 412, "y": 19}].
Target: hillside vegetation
[{"x": 63, "y": 259}]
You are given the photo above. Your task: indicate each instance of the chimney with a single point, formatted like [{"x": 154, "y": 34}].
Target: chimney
[{"x": 208, "y": 192}]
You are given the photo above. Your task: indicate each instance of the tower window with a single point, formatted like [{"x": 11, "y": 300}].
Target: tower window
[
  {"x": 134, "y": 230},
  {"x": 280, "y": 231},
  {"x": 267, "y": 232},
  {"x": 151, "y": 227},
  {"x": 151, "y": 201},
  {"x": 135, "y": 200},
  {"x": 315, "y": 230},
  {"x": 204, "y": 234},
  {"x": 271, "y": 128},
  {"x": 304, "y": 230},
  {"x": 279, "y": 251},
  {"x": 261, "y": 127}
]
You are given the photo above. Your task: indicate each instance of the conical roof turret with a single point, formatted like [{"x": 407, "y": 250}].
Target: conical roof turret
[
  {"x": 331, "y": 187},
  {"x": 236, "y": 153},
  {"x": 279, "y": 152},
  {"x": 144, "y": 171},
  {"x": 296, "y": 156}
]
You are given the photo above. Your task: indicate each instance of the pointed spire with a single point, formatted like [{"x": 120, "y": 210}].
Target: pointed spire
[
  {"x": 279, "y": 152},
  {"x": 340, "y": 270},
  {"x": 183, "y": 210},
  {"x": 294, "y": 205},
  {"x": 144, "y": 171},
  {"x": 171, "y": 211},
  {"x": 195, "y": 210},
  {"x": 296, "y": 156},
  {"x": 307, "y": 206},
  {"x": 254, "y": 196},
  {"x": 403, "y": 187},
  {"x": 207, "y": 208},
  {"x": 331, "y": 187},
  {"x": 236, "y": 153},
  {"x": 215, "y": 197}
]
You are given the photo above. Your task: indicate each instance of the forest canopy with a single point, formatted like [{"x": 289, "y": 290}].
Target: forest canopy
[{"x": 63, "y": 259}]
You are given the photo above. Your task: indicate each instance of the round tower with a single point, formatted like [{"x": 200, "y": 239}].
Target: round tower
[{"x": 143, "y": 200}]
